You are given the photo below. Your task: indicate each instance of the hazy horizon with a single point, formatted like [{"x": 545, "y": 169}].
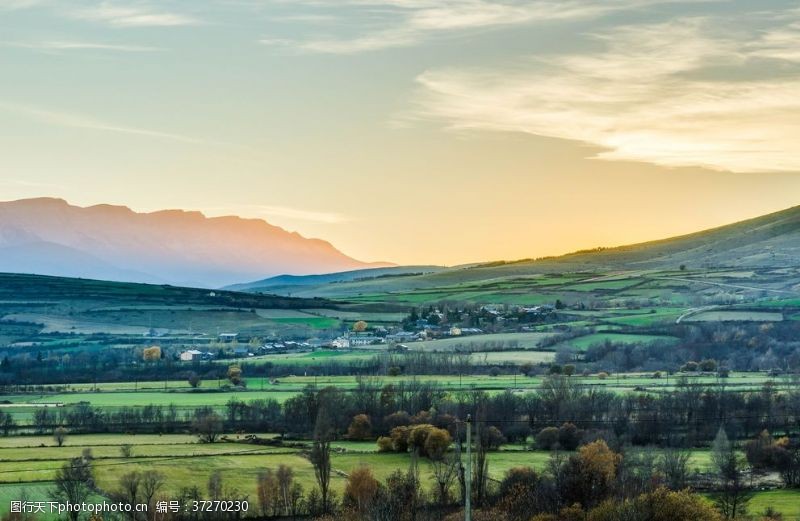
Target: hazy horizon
[
  {"x": 375, "y": 261},
  {"x": 413, "y": 132}
]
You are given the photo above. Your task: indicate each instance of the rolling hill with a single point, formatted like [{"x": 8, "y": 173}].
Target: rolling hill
[
  {"x": 51, "y": 237},
  {"x": 769, "y": 241},
  {"x": 286, "y": 282}
]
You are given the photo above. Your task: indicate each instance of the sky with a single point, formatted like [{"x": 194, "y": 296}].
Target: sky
[{"x": 410, "y": 131}]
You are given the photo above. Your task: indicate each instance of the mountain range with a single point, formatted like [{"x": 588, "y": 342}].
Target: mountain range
[{"x": 52, "y": 237}]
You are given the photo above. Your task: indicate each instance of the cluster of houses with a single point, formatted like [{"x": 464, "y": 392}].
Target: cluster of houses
[
  {"x": 432, "y": 326},
  {"x": 425, "y": 332}
]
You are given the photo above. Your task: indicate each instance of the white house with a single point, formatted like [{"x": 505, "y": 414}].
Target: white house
[
  {"x": 341, "y": 342},
  {"x": 190, "y": 355}
]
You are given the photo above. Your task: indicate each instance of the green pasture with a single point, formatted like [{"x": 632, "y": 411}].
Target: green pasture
[
  {"x": 513, "y": 357},
  {"x": 482, "y": 342},
  {"x": 659, "y": 315},
  {"x": 734, "y": 316},
  {"x": 25, "y": 465},
  {"x": 353, "y": 316},
  {"x": 312, "y": 358},
  {"x": 584, "y": 342},
  {"x": 785, "y": 501}
]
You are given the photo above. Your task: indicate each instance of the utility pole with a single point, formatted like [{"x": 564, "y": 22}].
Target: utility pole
[{"x": 468, "y": 477}]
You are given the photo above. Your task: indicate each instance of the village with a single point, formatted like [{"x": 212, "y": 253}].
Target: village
[{"x": 430, "y": 324}]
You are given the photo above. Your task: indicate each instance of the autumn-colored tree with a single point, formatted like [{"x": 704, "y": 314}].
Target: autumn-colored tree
[
  {"x": 360, "y": 326},
  {"x": 152, "y": 353},
  {"x": 436, "y": 443},
  {"x": 588, "y": 477},
  {"x": 360, "y": 428},
  {"x": 385, "y": 444},
  {"x": 399, "y": 437},
  {"x": 360, "y": 489},
  {"x": 519, "y": 494},
  {"x": 600, "y": 460},
  {"x": 417, "y": 435},
  {"x": 235, "y": 374},
  {"x": 570, "y": 513},
  {"x": 659, "y": 505}
]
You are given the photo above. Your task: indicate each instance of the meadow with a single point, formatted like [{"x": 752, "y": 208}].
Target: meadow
[{"x": 28, "y": 464}]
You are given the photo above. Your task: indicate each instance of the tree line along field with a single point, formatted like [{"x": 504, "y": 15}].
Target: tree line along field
[
  {"x": 112, "y": 397},
  {"x": 29, "y": 463}
]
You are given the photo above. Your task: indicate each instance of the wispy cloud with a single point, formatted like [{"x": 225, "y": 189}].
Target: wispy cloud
[
  {"x": 61, "y": 45},
  {"x": 65, "y": 119},
  {"x": 398, "y": 23},
  {"x": 286, "y": 212},
  {"x": 13, "y": 5},
  {"x": 126, "y": 15},
  {"x": 651, "y": 93},
  {"x": 302, "y": 215},
  {"x": 29, "y": 184}
]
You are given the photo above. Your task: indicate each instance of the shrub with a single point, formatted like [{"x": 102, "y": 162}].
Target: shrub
[{"x": 547, "y": 439}]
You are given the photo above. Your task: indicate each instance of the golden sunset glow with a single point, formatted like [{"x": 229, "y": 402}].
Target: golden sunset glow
[{"x": 410, "y": 131}]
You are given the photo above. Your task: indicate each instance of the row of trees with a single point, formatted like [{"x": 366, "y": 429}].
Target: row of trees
[{"x": 688, "y": 415}]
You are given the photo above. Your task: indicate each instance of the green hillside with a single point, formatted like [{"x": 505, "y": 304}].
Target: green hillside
[{"x": 757, "y": 254}]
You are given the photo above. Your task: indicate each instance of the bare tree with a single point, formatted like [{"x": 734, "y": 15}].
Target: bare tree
[
  {"x": 208, "y": 426},
  {"x": 480, "y": 467},
  {"x": 152, "y": 481},
  {"x": 60, "y": 435},
  {"x": 674, "y": 464},
  {"x": 128, "y": 492},
  {"x": 285, "y": 477},
  {"x": 74, "y": 483},
  {"x": 445, "y": 470},
  {"x": 321, "y": 455}
]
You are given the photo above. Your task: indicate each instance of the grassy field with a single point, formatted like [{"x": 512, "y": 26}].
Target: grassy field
[
  {"x": 785, "y": 501},
  {"x": 513, "y": 357},
  {"x": 735, "y": 316},
  {"x": 483, "y": 342},
  {"x": 29, "y": 463},
  {"x": 584, "y": 342},
  {"x": 309, "y": 358}
]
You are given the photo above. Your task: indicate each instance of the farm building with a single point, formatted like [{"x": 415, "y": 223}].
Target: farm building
[{"x": 191, "y": 355}]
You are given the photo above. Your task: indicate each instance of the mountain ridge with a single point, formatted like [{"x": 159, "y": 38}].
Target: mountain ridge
[{"x": 166, "y": 246}]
